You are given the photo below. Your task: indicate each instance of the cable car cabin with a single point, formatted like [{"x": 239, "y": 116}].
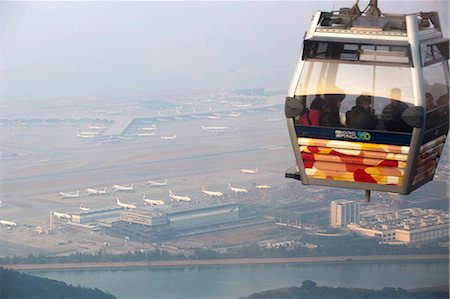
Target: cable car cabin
[{"x": 368, "y": 104}]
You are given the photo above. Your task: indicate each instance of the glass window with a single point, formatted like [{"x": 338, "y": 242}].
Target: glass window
[
  {"x": 434, "y": 53},
  {"x": 436, "y": 96},
  {"x": 356, "y": 52},
  {"x": 358, "y": 96}
]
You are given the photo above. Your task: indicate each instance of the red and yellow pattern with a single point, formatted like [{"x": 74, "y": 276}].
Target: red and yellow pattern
[
  {"x": 353, "y": 161},
  {"x": 429, "y": 156}
]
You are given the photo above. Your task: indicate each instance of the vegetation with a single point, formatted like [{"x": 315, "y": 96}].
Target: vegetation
[
  {"x": 14, "y": 284},
  {"x": 309, "y": 289},
  {"x": 342, "y": 246}
]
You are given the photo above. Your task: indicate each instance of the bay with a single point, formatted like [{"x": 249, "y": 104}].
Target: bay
[{"x": 236, "y": 281}]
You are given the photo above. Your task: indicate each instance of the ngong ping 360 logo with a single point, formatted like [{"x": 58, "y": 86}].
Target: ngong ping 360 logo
[{"x": 352, "y": 135}]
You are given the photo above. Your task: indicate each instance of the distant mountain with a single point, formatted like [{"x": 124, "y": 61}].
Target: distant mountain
[
  {"x": 309, "y": 290},
  {"x": 14, "y": 284}
]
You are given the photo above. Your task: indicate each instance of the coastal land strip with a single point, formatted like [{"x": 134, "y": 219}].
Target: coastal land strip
[{"x": 220, "y": 262}]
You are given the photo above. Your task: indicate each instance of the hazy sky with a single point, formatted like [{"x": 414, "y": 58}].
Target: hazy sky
[{"x": 56, "y": 49}]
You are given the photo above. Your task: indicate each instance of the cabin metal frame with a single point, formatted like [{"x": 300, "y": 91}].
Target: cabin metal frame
[{"x": 413, "y": 31}]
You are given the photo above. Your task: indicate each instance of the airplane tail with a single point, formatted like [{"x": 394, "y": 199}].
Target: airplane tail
[
  {"x": 203, "y": 188},
  {"x": 77, "y": 193},
  {"x": 165, "y": 181},
  {"x": 117, "y": 200},
  {"x": 104, "y": 189},
  {"x": 171, "y": 195},
  {"x": 256, "y": 169},
  {"x": 131, "y": 186},
  {"x": 229, "y": 185}
]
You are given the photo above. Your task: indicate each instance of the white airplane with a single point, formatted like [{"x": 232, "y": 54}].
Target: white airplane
[
  {"x": 69, "y": 195},
  {"x": 123, "y": 188},
  {"x": 249, "y": 171},
  {"x": 237, "y": 190},
  {"x": 152, "y": 202},
  {"x": 114, "y": 112},
  {"x": 273, "y": 119},
  {"x": 157, "y": 184},
  {"x": 211, "y": 193},
  {"x": 234, "y": 114},
  {"x": 125, "y": 205},
  {"x": 147, "y": 134},
  {"x": 169, "y": 137},
  {"x": 83, "y": 208},
  {"x": 89, "y": 133},
  {"x": 82, "y": 135},
  {"x": 151, "y": 128},
  {"x": 213, "y": 117},
  {"x": 261, "y": 187},
  {"x": 8, "y": 223},
  {"x": 177, "y": 197},
  {"x": 92, "y": 191},
  {"x": 240, "y": 105},
  {"x": 61, "y": 215},
  {"x": 95, "y": 127},
  {"x": 215, "y": 128}
]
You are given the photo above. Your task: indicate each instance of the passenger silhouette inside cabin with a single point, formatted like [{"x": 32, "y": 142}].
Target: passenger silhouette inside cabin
[
  {"x": 311, "y": 116},
  {"x": 361, "y": 116},
  {"x": 432, "y": 118},
  {"x": 329, "y": 116},
  {"x": 391, "y": 116}
]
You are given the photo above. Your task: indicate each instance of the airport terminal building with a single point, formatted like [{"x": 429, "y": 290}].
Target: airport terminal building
[{"x": 145, "y": 225}]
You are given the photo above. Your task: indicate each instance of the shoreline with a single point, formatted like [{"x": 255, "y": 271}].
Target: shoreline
[{"x": 229, "y": 262}]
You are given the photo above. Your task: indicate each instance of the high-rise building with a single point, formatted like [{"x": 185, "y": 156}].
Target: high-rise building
[{"x": 343, "y": 212}]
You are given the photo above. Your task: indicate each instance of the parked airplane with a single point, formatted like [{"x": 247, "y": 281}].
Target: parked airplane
[
  {"x": 83, "y": 208},
  {"x": 152, "y": 202},
  {"x": 240, "y": 105},
  {"x": 178, "y": 197},
  {"x": 157, "y": 184},
  {"x": 273, "y": 119},
  {"x": 249, "y": 171},
  {"x": 123, "y": 188},
  {"x": 169, "y": 137},
  {"x": 147, "y": 134},
  {"x": 92, "y": 191},
  {"x": 237, "y": 190},
  {"x": 8, "y": 223},
  {"x": 211, "y": 193},
  {"x": 125, "y": 205},
  {"x": 69, "y": 195},
  {"x": 95, "y": 127},
  {"x": 213, "y": 117},
  {"x": 261, "y": 187},
  {"x": 151, "y": 128},
  {"x": 234, "y": 114},
  {"x": 86, "y": 135},
  {"x": 62, "y": 215},
  {"x": 215, "y": 128}
]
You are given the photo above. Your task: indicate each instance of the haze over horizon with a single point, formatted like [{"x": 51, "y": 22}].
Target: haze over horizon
[{"x": 60, "y": 49}]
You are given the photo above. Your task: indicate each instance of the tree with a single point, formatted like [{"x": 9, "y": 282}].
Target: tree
[{"x": 308, "y": 284}]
